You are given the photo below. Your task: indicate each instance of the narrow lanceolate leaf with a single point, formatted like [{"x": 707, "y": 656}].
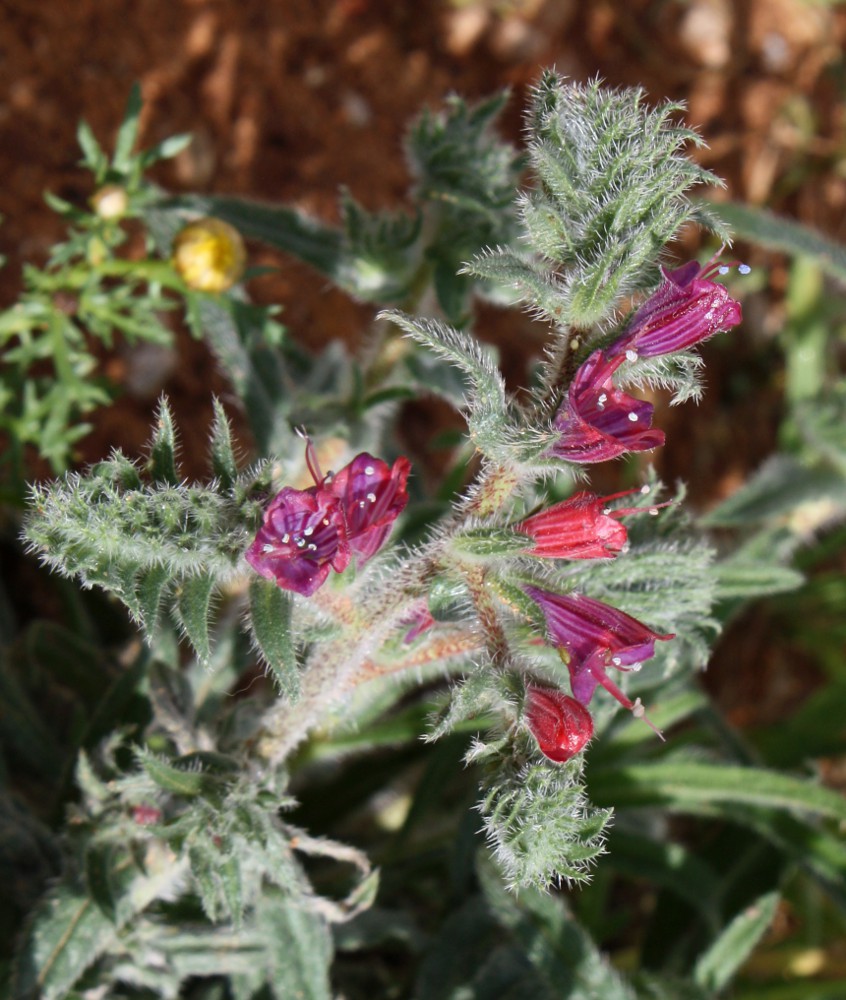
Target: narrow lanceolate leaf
[
  {"x": 487, "y": 407},
  {"x": 779, "y": 233},
  {"x": 692, "y": 787},
  {"x": 163, "y": 447},
  {"x": 270, "y": 621},
  {"x": 736, "y": 579},
  {"x": 298, "y": 947},
  {"x": 128, "y": 131},
  {"x": 70, "y": 932},
  {"x": 150, "y": 588},
  {"x": 178, "y": 780},
  {"x": 731, "y": 949},
  {"x": 193, "y": 610},
  {"x": 223, "y": 462}
]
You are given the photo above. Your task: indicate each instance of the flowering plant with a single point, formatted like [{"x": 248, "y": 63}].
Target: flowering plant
[{"x": 216, "y": 775}]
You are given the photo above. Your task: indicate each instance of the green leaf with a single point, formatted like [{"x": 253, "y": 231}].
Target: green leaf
[
  {"x": 69, "y": 932},
  {"x": 738, "y": 579},
  {"x": 270, "y": 622},
  {"x": 298, "y": 948},
  {"x": 193, "y": 610},
  {"x": 128, "y": 131},
  {"x": 692, "y": 787},
  {"x": 162, "y": 461},
  {"x": 150, "y": 587},
  {"x": 718, "y": 964},
  {"x": 779, "y": 487},
  {"x": 177, "y": 780},
  {"x": 557, "y": 946},
  {"x": 777, "y": 232},
  {"x": 93, "y": 156},
  {"x": 223, "y": 461},
  {"x": 65, "y": 940}
]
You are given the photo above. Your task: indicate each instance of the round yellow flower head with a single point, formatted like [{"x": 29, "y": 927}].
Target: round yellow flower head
[
  {"x": 110, "y": 201},
  {"x": 209, "y": 255}
]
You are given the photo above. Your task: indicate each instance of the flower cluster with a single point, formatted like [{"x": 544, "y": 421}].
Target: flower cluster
[
  {"x": 305, "y": 533},
  {"x": 598, "y": 421}
]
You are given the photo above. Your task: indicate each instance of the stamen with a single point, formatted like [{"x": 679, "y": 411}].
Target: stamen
[
  {"x": 744, "y": 269},
  {"x": 371, "y": 497},
  {"x": 369, "y": 470},
  {"x": 308, "y": 531},
  {"x": 631, "y": 355},
  {"x": 285, "y": 539},
  {"x": 633, "y": 417}
]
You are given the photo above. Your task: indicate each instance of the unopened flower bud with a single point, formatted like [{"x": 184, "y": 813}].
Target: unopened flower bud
[
  {"x": 110, "y": 202},
  {"x": 209, "y": 255},
  {"x": 561, "y": 725}
]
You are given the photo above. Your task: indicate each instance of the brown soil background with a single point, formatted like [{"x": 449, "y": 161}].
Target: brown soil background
[{"x": 290, "y": 99}]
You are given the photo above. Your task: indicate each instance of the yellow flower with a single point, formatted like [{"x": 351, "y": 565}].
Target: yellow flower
[{"x": 209, "y": 255}]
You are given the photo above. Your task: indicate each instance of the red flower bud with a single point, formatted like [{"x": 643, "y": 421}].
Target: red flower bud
[
  {"x": 582, "y": 527},
  {"x": 561, "y": 725}
]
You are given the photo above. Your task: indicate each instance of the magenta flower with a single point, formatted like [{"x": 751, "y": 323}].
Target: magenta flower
[
  {"x": 594, "y": 636},
  {"x": 372, "y": 495},
  {"x": 598, "y": 421},
  {"x": 561, "y": 725},
  {"x": 582, "y": 527},
  {"x": 305, "y": 533},
  {"x": 302, "y": 537},
  {"x": 687, "y": 308}
]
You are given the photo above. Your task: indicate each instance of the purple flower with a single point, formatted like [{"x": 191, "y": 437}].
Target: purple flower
[
  {"x": 594, "y": 636},
  {"x": 372, "y": 495},
  {"x": 597, "y": 421},
  {"x": 687, "y": 308},
  {"x": 561, "y": 725},
  {"x": 581, "y": 527},
  {"x": 302, "y": 537},
  {"x": 305, "y": 533}
]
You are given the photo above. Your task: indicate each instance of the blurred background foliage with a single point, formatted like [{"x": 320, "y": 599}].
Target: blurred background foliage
[{"x": 292, "y": 102}]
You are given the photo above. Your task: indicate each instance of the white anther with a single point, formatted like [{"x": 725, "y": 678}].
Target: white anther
[
  {"x": 645, "y": 489},
  {"x": 616, "y": 661},
  {"x": 309, "y": 531},
  {"x": 326, "y": 520},
  {"x": 744, "y": 268},
  {"x": 653, "y": 511},
  {"x": 300, "y": 542},
  {"x": 631, "y": 355},
  {"x": 312, "y": 547},
  {"x": 267, "y": 547},
  {"x": 369, "y": 470},
  {"x": 638, "y": 711},
  {"x": 635, "y": 667},
  {"x": 371, "y": 497},
  {"x": 633, "y": 417},
  {"x": 285, "y": 539},
  {"x": 723, "y": 269}
]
